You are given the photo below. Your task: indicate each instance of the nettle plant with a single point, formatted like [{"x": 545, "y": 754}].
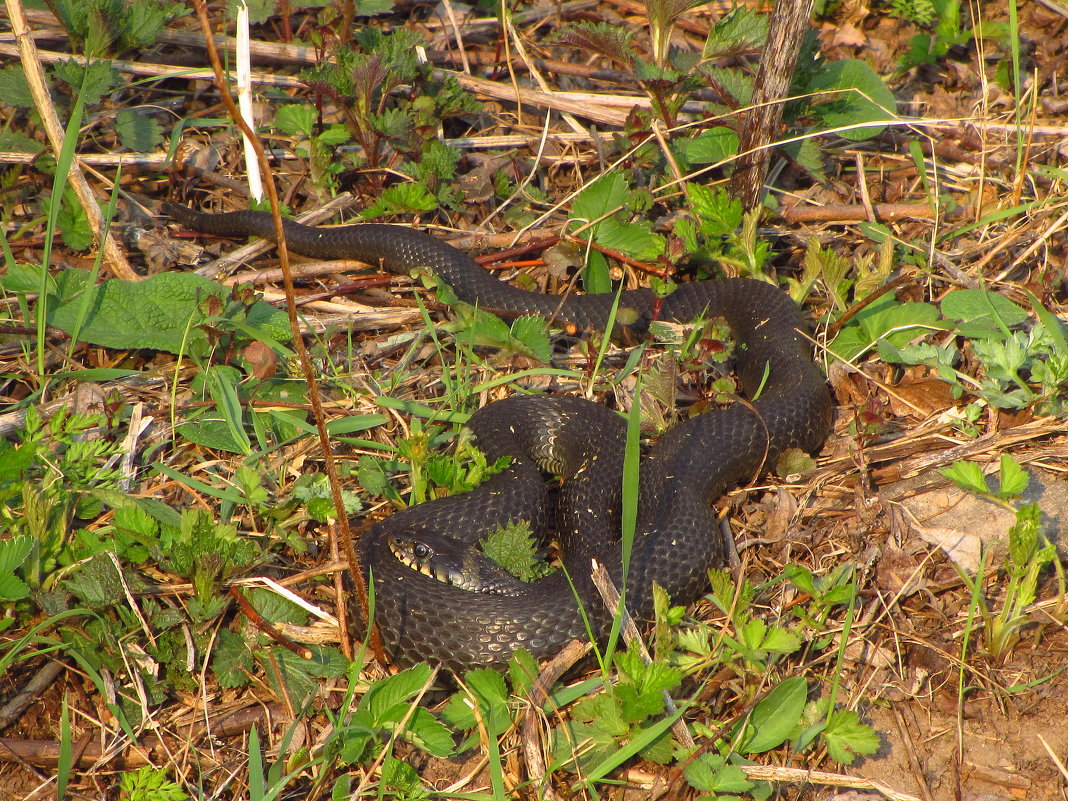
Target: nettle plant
[
  {"x": 392, "y": 106},
  {"x": 829, "y": 95}
]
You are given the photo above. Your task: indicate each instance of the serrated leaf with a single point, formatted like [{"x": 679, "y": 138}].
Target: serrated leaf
[
  {"x": 717, "y": 212},
  {"x": 610, "y": 41},
  {"x": 428, "y": 733},
  {"x": 12, "y": 588},
  {"x": 73, "y": 224},
  {"x": 296, "y": 119},
  {"x": 96, "y": 582},
  {"x": 740, "y": 29},
  {"x": 14, "y": 89},
  {"x": 231, "y": 660},
  {"x": 846, "y": 737},
  {"x": 708, "y": 147},
  {"x": 967, "y": 475},
  {"x": 1013, "y": 479},
  {"x": 145, "y": 21},
  {"x": 405, "y": 197},
  {"x": 514, "y": 548},
  {"x": 604, "y": 196},
  {"x": 634, "y": 239},
  {"x": 530, "y": 335},
  {"x": 711, "y": 773},
  {"x": 779, "y": 640},
  {"x": 155, "y": 313},
  {"x": 91, "y": 81},
  {"x": 137, "y": 131},
  {"x": 394, "y": 691},
  {"x": 13, "y": 552}
]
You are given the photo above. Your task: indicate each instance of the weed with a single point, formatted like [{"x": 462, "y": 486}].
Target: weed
[
  {"x": 393, "y": 130},
  {"x": 149, "y": 784},
  {"x": 1018, "y": 368},
  {"x": 1030, "y": 553}
]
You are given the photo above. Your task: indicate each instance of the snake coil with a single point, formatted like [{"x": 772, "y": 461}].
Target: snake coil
[{"x": 423, "y": 617}]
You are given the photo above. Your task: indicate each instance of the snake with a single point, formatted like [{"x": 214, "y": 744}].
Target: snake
[{"x": 434, "y": 598}]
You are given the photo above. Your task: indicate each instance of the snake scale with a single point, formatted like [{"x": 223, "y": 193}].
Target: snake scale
[{"x": 423, "y": 617}]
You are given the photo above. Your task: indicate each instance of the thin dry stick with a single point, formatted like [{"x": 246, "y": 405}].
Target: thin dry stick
[
  {"x": 302, "y": 354},
  {"x": 31, "y": 66},
  {"x": 760, "y": 126},
  {"x": 797, "y": 776}
]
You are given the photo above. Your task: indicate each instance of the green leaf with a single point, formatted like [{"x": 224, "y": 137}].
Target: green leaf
[
  {"x": 967, "y": 475},
  {"x": 514, "y": 548},
  {"x": 886, "y": 317},
  {"x": 91, "y": 81},
  {"x": 604, "y": 196},
  {"x": 981, "y": 313},
  {"x": 231, "y": 660},
  {"x": 595, "y": 277},
  {"x": 610, "y": 41},
  {"x": 1013, "y": 478},
  {"x": 405, "y": 197},
  {"x": 718, "y": 214},
  {"x": 73, "y": 224},
  {"x": 529, "y": 334},
  {"x": 296, "y": 119},
  {"x": 866, "y": 98},
  {"x": 138, "y": 131},
  {"x": 14, "y": 89},
  {"x": 96, "y": 582},
  {"x": 634, "y": 239},
  {"x": 846, "y": 737},
  {"x": 708, "y": 147},
  {"x": 396, "y": 690},
  {"x": 710, "y": 773},
  {"x": 157, "y": 313},
  {"x": 740, "y": 29},
  {"x": 774, "y": 718},
  {"x": 145, "y": 20}
]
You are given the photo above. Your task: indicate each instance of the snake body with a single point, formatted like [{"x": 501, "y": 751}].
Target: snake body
[{"x": 422, "y": 613}]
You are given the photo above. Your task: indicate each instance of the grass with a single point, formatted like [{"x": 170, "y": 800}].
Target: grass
[{"x": 126, "y": 572}]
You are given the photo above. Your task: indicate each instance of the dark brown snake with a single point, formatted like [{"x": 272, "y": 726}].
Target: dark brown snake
[{"x": 421, "y": 615}]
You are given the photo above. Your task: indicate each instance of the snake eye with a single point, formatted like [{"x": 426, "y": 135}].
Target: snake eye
[{"x": 420, "y": 550}]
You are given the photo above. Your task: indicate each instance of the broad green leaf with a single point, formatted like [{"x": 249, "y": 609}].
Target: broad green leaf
[
  {"x": 595, "y": 277},
  {"x": 157, "y": 313},
  {"x": 395, "y": 691},
  {"x": 603, "y": 196},
  {"x": 634, "y": 239},
  {"x": 296, "y": 119},
  {"x": 866, "y": 98},
  {"x": 981, "y": 313},
  {"x": 708, "y": 147},
  {"x": 231, "y": 660},
  {"x": 886, "y": 317},
  {"x": 12, "y": 588},
  {"x": 774, "y": 718},
  {"x": 528, "y": 333}
]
